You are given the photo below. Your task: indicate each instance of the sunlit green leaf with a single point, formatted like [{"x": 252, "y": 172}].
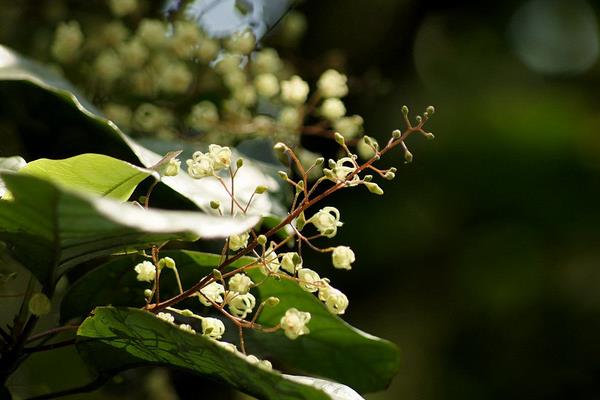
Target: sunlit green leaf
[{"x": 94, "y": 173}]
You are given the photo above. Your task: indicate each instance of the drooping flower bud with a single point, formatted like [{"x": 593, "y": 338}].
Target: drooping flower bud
[{"x": 294, "y": 323}]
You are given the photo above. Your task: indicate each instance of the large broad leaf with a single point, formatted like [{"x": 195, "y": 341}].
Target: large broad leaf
[
  {"x": 333, "y": 348},
  {"x": 113, "y": 339},
  {"x": 94, "y": 173},
  {"x": 10, "y": 164},
  {"x": 51, "y": 229},
  {"x": 94, "y": 133}
]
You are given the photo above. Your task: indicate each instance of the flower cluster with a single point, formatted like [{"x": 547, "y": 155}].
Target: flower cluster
[{"x": 232, "y": 292}]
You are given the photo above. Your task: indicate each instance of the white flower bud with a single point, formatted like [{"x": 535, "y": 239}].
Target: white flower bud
[
  {"x": 212, "y": 291},
  {"x": 266, "y": 61},
  {"x": 221, "y": 156},
  {"x": 68, "y": 39},
  {"x": 335, "y": 301},
  {"x": 327, "y": 220},
  {"x": 146, "y": 271},
  {"x": 152, "y": 32},
  {"x": 167, "y": 262},
  {"x": 240, "y": 283},
  {"x": 294, "y": 323},
  {"x": 213, "y": 328},
  {"x": 241, "y": 305},
  {"x": 39, "y": 304},
  {"x": 120, "y": 8},
  {"x": 261, "y": 239},
  {"x": 267, "y": 85},
  {"x": 333, "y": 109},
  {"x": 333, "y": 84},
  {"x": 291, "y": 262},
  {"x": 374, "y": 188},
  {"x": 229, "y": 62},
  {"x": 237, "y": 242},
  {"x": 203, "y": 116},
  {"x": 241, "y": 42},
  {"x": 294, "y": 90},
  {"x": 166, "y": 317},
  {"x": 172, "y": 168},
  {"x": 187, "y": 328},
  {"x": 342, "y": 257},
  {"x": 309, "y": 280},
  {"x": 349, "y": 127},
  {"x": 175, "y": 78}
]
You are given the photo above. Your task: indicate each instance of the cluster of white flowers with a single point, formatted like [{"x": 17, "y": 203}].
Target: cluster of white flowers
[{"x": 207, "y": 164}]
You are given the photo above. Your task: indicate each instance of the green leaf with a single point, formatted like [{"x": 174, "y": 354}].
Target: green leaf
[
  {"x": 10, "y": 164},
  {"x": 100, "y": 135},
  {"x": 333, "y": 349},
  {"x": 114, "y": 339},
  {"x": 51, "y": 229},
  {"x": 95, "y": 173}
]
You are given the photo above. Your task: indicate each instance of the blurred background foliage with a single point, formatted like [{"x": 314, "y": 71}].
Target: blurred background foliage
[{"x": 482, "y": 260}]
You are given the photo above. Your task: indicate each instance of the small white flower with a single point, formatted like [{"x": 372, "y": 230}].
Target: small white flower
[
  {"x": 270, "y": 262},
  {"x": 327, "y": 220},
  {"x": 333, "y": 109},
  {"x": 237, "y": 242},
  {"x": 335, "y": 301},
  {"x": 264, "y": 364},
  {"x": 294, "y": 90},
  {"x": 290, "y": 117},
  {"x": 203, "y": 116},
  {"x": 108, "y": 66},
  {"x": 294, "y": 323},
  {"x": 221, "y": 156},
  {"x": 267, "y": 85},
  {"x": 266, "y": 60},
  {"x": 133, "y": 53},
  {"x": 166, "y": 317},
  {"x": 227, "y": 346},
  {"x": 201, "y": 166},
  {"x": 240, "y": 283},
  {"x": 212, "y": 327},
  {"x": 309, "y": 280},
  {"x": 291, "y": 262},
  {"x": 343, "y": 167},
  {"x": 333, "y": 84},
  {"x": 152, "y": 32},
  {"x": 212, "y": 291},
  {"x": 241, "y": 42},
  {"x": 187, "y": 328},
  {"x": 67, "y": 41},
  {"x": 241, "y": 305},
  {"x": 146, "y": 271},
  {"x": 175, "y": 78},
  {"x": 342, "y": 257}
]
